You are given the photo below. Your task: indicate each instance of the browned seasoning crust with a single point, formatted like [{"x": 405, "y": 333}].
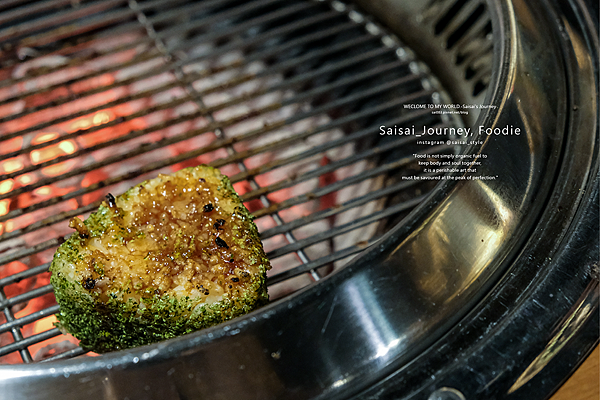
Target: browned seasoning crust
[{"x": 171, "y": 255}]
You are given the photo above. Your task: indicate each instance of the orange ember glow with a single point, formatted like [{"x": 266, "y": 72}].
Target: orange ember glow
[
  {"x": 10, "y": 226},
  {"x": 25, "y": 179},
  {"x": 97, "y": 119},
  {"x": 6, "y": 186},
  {"x": 44, "y": 324},
  {"x": 51, "y": 152},
  {"x": 52, "y": 346},
  {"x": 12, "y": 165},
  {"x": 43, "y": 191},
  {"x": 44, "y": 137},
  {"x": 59, "y": 169},
  {"x": 4, "y": 206}
]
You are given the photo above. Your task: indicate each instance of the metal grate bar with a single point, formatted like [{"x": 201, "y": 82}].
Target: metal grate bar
[
  {"x": 48, "y": 244},
  {"x": 338, "y": 209},
  {"x": 269, "y": 166},
  {"x": 28, "y": 273},
  {"x": 115, "y": 16},
  {"x": 158, "y": 107},
  {"x": 65, "y": 100},
  {"x": 92, "y": 9},
  {"x": 482, "y": 51},
  {"x": 7, "y": 4},
  {"x": 78, "y": 351},
  {"x": 32, "y": 294},
  {"x": 23, "y": 343},
  {"x": 341, "y": 229},
  {"x": 334, "y": 166},
  {"x": 221, "y": 143},
  {"x": 145, "y": 57},
  {"x": 474, "y": 32},
  {"x": 166, "y": 15},
  {"x": 50, "y": 221},
  {"x": 58, "y": 18},
  {"x": 91, "y": 130},
  {"x": 185, "y": 8},
  {"x": 30, "y": 9},
  {"x": 299, "y": 79},
  {"x": 274, "y": 33},
  {"x": 15, "y": 331},
  {"x": 461, "y": 16},
  {"x": 320, "y": 262},
  {"x": 109, "y": 20},
  {"x": 483, "y": 74},
  {"x": 49, "y": 5},
  {"x": 280, "y": 229},
  {"x": 437, "y": 9},
  {"x": 286, "y": 183},
  {"x": 315, "y": 111},
  {"x": 53, "y": 241},
  {"x": 19, "y": 322},
  {"x": 82, "y": 43},
  {"x": 177, "y": 29},
  {"x": 152, "y": 53},
  {"x": 299, "y": 245},
  {"x": 217, "y": 34}
]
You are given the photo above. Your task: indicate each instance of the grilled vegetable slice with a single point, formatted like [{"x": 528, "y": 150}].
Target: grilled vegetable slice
[{"x": 171, "y": 255}]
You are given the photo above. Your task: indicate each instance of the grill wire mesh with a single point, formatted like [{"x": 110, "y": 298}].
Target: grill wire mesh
[{"x": 284, "y": 97}]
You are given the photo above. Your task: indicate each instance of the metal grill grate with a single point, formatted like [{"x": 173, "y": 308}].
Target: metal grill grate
[{"x": 284, "y": 97}]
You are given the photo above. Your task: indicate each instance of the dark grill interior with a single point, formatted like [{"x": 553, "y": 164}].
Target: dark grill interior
[{"x": 284, "y": 97}]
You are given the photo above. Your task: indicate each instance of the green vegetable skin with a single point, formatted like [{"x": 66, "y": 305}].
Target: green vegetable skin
[{"x": 170, "y": 256}]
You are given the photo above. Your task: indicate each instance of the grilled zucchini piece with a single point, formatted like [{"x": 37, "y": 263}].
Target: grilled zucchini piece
[{"x": 170, "y": 256}]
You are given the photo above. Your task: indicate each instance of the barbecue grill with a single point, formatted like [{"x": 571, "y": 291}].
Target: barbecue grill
[{"x": 410, "y": 260}]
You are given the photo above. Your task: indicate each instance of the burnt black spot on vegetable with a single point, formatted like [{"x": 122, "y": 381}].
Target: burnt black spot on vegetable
[
  {"x": 202, "y": 289},
  {"x": 235, "y": 279},
  {"x": 219, "y": 224},
  {"x": 89, "y": 284},
  {"x": 221, "y": 243},
  {"x": 208, "y": 208},
  {"x": 112, "y": 202}
]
